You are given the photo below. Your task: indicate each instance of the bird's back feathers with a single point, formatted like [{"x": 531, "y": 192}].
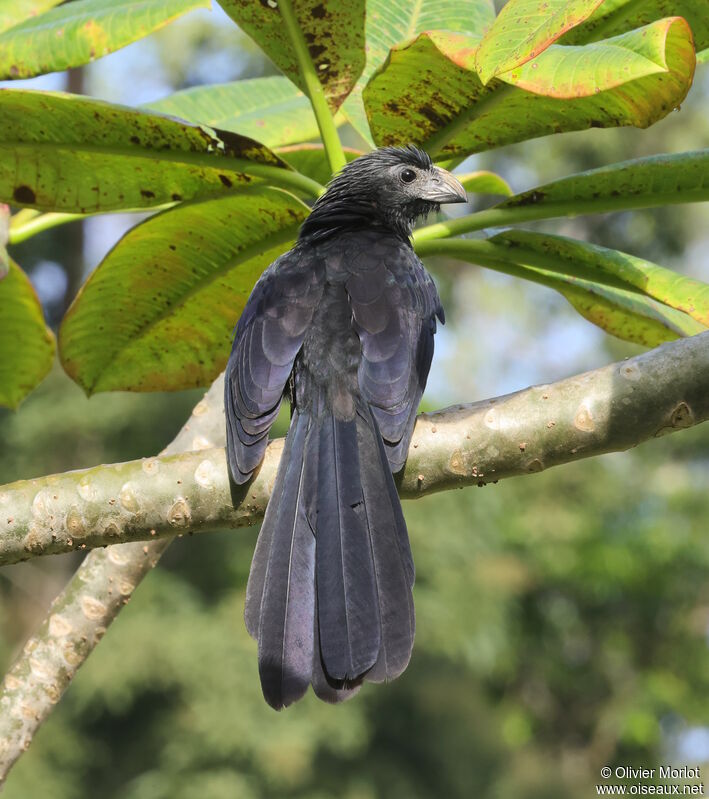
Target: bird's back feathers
[{"x": 343, "y": 324}]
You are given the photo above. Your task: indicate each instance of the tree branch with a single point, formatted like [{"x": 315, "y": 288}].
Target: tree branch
[
  {"x": 91, "y": 600},
  {"x": 609, "y": 409}
]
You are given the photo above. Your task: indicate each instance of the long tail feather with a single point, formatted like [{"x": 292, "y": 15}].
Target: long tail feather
[
  {"x": 392, "y": 556},
  {"x": 259, "y": 562},
  {"x": 285, "y": 630},
  {"x": 323, "y": 687},
  {"x": 329, "y": 594},
  {"x": 347, "y": 611}
]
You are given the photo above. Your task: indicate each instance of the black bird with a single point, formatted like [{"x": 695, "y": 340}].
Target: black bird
[{"x": 342, "y": 325}]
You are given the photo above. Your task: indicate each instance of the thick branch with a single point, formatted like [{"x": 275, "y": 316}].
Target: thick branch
[
  {"x": 610, "y": 409},
  {"x": 91, "y": 600}
]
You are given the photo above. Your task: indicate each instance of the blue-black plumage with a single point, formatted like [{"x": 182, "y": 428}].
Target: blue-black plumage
[{"x": 343, "y": 326}]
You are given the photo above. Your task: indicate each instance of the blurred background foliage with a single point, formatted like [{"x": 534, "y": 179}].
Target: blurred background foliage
[{"x": 563, "y": 618}]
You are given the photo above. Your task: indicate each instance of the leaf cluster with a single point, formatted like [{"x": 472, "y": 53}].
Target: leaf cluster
[{"x": 227, "y": 171}]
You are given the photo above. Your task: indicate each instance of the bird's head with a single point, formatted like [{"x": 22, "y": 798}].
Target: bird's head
[{"x": 390, "y": 188}]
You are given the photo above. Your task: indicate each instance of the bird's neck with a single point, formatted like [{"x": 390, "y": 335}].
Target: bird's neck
[{"x": 341, "y": 214}]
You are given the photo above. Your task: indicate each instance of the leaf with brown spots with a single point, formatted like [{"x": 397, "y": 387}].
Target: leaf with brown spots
[
  {"x": 26, "y": 344},
  {"x": 566, "y": 255},
  {"x": 159, "y": 312},
  {"x": 641, "y": 183},
  {"x": 626, "y": 314},
  {"x": 442, "y": 105},
  {"x": 390, "y": 22},
  {"x": 61, "y": 152},
  {"x": 82, "y": 31},
  {"x": 333, "y": 33}
]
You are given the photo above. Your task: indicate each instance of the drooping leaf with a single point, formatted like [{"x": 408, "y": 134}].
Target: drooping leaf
[
  {"x": 626, "y": 314},
  {"x": 14, "y": 11},
  {"x": 484, "y": 182},
  {"x": 703, "y": 56},
  {"x": 617, "y": 16},
  {"x": 559, "y": 253},
  {"x": 159, "y": 312},
  {"x": 333, "y": 32},
  {"x": 390, "y": 22},
  {"x": 639, "y": 183},
  {"x": 567, "y": 72},
  {"x": 429, "y": 93},
  {"x": 271, "y": 110},
  {"x": 62, "y": 152},
  {"x": 78, "y": 32},
  {"x": 26, "y": 344},
  {"x": 524, "y": 29},
  {"x": 311, "y": 160}
]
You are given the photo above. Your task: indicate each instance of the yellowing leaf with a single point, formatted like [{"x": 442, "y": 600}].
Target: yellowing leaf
[
  {"x": 525, "y": 28},
  {"x": 429, "y": 93}
]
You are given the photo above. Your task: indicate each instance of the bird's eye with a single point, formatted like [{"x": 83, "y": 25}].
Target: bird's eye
[{"x": 408, "y": 176}]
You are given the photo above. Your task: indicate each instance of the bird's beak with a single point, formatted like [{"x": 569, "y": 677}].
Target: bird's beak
[{"x": 444, "y": 188}]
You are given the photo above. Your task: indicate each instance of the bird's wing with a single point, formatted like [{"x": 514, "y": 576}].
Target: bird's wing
[
  {"x": 394, "y": 306},
  {"x": 268, "y": 336}
]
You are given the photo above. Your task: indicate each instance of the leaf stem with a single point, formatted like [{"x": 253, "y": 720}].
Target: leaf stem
[
  {"x": 489, "y": 217},
  {"x": 314, "y": 89},
  {"x": 22, "y": 230},
  {"x": 537, "y": 268}
]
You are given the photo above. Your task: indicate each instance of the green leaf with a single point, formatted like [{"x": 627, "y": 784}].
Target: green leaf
[
  {"x": 563, "y": 254},
  {"x": 14, "y": 11},
  {"x": 484, "y": 182},
  {"x": 703, "y": 56},
  {"x": 311, "y": 160},
  {"x": 524, "y": 29},
  {"x": 26, "y": 344},
  {"x": 159, "y": 312},
  {"x": 62, "y": 152},
  {"x": 568, "y": 72},
  {"x": 390, "y": 22},
  {"x": 429, "y": 93},
  {"x": 625, "y": 314},
  {"x": 271, "y": 110},
  {"x": 640, "y": 183},
  {"x": 81, "y": 31},
  {"x": 333, "y": 32},
  {"x": 617, "y": 16}
]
